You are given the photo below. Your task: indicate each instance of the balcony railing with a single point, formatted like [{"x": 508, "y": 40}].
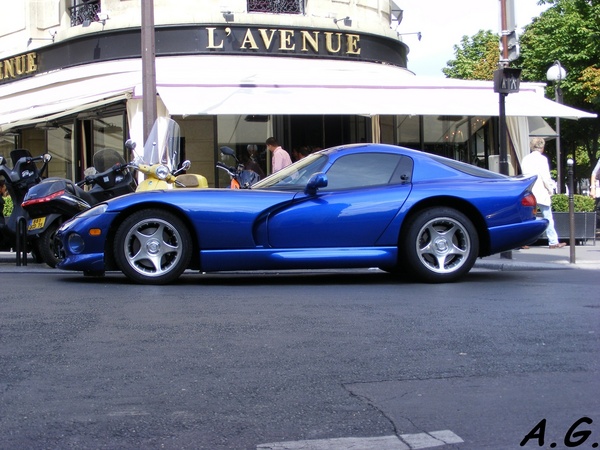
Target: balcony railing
[
  {"x": 84, "y": 13},
  {"x": 276, "y": 6}
]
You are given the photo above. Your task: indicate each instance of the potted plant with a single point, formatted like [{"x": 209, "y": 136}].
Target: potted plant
[{"x": 585, "y": 216}]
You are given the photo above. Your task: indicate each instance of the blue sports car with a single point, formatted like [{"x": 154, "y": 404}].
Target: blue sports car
[{"x": 363, "y": 205}]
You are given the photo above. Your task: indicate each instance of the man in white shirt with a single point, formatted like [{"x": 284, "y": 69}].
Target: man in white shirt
[
  {"x": 281, "y": 158},
  {"x": 593, "y": 181},
  {"x": 536, "y": 163}
]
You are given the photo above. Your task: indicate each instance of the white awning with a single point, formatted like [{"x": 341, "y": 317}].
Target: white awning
[
  {"x": 49, "y": 96},
  {"x": 280, "y": 99},
  {"x": 273, "y": 86},
  {"x": 538, "y": 127},
  {"x": 221, "y": 84}
]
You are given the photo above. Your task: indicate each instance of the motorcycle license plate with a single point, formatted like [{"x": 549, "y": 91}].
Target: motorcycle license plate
[{"x": 36, "y": 224}]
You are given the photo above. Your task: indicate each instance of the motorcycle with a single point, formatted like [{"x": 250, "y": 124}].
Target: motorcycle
[
  {"x": 18, "y": 230},
  {"x": 160, "y": 161},
  {"x": 55, "y": 200},
  {"x": 240, "y": 177}
]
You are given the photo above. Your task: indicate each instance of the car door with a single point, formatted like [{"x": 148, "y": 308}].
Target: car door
[{"x": 364, "y": 193}]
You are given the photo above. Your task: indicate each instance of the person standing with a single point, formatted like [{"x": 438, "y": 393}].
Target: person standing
[
  {"x": 537, "y": 164},
  {"x": 594, "y": 180},
  {"x": 6, "y": 204},
  {"x": 281, "y": 158}
]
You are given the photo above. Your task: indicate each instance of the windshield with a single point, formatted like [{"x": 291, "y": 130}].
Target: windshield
[
  {"x": 163, "y": 144},
  {"x": 106, "y": 158},
  {"x": 295, "y": 176}
]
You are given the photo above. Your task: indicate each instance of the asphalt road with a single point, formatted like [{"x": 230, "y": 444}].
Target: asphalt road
[{"x": 350, "y": 359}]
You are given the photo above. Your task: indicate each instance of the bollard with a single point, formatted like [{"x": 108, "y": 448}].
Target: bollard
[
  {"x": 571, "y": 211},
  {"x": 21, "y": 244}
]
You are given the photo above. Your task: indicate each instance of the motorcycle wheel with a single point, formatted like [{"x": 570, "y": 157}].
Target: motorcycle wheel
[
  {"x": 152, "y": 247},
  {"x": 45, "y": 247}
]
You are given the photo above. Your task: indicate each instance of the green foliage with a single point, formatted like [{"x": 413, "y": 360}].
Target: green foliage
[
  {"x": 568, "y": 31},
  {"x": 8, "y": 206},
  {"x": 476, "y": 58},
  {"x": 581, "y": 203}
]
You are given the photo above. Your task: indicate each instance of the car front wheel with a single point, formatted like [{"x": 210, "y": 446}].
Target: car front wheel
[
  {"x": 440, "y": 245},
  {"x": 152, "y": 247}
]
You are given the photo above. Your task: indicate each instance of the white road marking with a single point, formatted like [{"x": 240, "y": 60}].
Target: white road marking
[{"x": 411, "y": 442}]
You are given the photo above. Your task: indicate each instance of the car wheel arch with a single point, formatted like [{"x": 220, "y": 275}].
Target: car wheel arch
[
  {"x": 460, "y": 205},
  {"x": 110, "y": 262}
]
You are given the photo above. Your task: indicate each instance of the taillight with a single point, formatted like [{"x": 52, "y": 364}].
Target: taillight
[
  {"x": 47, "y": 198},
  {"x": 529, "y": 200}
]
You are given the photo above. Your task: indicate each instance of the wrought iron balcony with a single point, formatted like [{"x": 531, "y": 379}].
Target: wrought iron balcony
[
  {"x": 276, "y": 6},
  {"x": 84, "y": 13}
]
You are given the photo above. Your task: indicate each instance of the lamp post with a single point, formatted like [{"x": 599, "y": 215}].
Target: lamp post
[
  {"x": 556, "y": 73},
  {"x": 149, "y": 112},
  {"x": 570, "y": 163}
]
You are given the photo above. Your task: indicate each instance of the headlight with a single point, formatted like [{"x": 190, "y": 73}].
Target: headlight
[
  {"x": 162, "y": 172},
  {"x": 75, "y": 243},
  {"x": 94, "y": 211}
]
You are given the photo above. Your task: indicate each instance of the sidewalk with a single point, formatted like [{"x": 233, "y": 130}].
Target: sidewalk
[
  {"x": 542, "y": 257},
  {"x": 535, "y": 258}
]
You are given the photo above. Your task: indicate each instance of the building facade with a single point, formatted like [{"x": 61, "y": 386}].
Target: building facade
[{"x": 312, "y": 73}]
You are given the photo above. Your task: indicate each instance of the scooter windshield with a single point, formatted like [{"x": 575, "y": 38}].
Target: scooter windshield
[
  {"x": 106, "y": 158},
  {"x": 163, "y": 144}
]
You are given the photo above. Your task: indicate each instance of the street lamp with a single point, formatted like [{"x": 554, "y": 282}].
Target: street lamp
[{"x": 556, "y": 73}]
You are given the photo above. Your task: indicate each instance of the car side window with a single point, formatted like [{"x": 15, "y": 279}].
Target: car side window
[{"x": 369, "y": 169}]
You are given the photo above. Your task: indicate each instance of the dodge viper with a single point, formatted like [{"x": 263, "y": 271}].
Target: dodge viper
[{"x": 361, "y": 205}]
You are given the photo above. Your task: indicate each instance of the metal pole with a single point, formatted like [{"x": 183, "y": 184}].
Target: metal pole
[
  {"x": 571, "y": 211},
  {"x": 503, "y": 165},
  {"x": 559, "y": 174},
  {"x": 502, "y": 141},
  {"x": 148, "y": 67},
  {"x": 504, "y": 27}
]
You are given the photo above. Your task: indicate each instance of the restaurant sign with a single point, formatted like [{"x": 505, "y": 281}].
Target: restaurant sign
[
  {"x": 282, "y": 40},
  {"x": 18, "y": 66}
]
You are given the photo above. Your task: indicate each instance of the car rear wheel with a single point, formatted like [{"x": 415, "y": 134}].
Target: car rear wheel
[
  {"x": 440, "y": 245},
  {"x": 152, "y": 247}
]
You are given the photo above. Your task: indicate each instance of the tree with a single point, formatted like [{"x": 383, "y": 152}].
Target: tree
[
  {"x": 569, "y": 32},
  {"x": 476, "y": 58}
]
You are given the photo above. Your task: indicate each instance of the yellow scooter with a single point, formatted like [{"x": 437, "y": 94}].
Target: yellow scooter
[
  {"x": 158, "y": 176},
  {"x": 162, "y": 151}
]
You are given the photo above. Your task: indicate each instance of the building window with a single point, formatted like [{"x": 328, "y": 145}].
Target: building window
[
  {"x": 84, "y": 12},
  {"x": 276, "y": 6}
]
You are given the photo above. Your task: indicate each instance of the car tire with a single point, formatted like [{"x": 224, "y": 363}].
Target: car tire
[
  {"x": 152, "y": 247},
  {"x": 45, "y": 246},
  {"x": 440, "y": 245}
]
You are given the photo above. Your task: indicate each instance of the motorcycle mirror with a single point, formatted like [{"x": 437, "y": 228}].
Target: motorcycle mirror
[
  {"x": 228, "y": 151},
  {"x": 1, "y": 160},
  {"x": 186, "y": 164},
  {"x": 130, "y": 144},
  {"x": 47, "y": 157}
]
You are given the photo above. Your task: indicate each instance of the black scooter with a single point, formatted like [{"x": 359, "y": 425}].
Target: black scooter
[
  {"x": 17, "y": 232},
  {"x": 55, "y": 200}
]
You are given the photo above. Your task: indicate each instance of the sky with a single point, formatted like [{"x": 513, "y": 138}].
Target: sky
[{"x": 443, "y": 23}]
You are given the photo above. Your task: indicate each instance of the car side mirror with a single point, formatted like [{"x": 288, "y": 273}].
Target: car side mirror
[{"x": 316, "y": 181}]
